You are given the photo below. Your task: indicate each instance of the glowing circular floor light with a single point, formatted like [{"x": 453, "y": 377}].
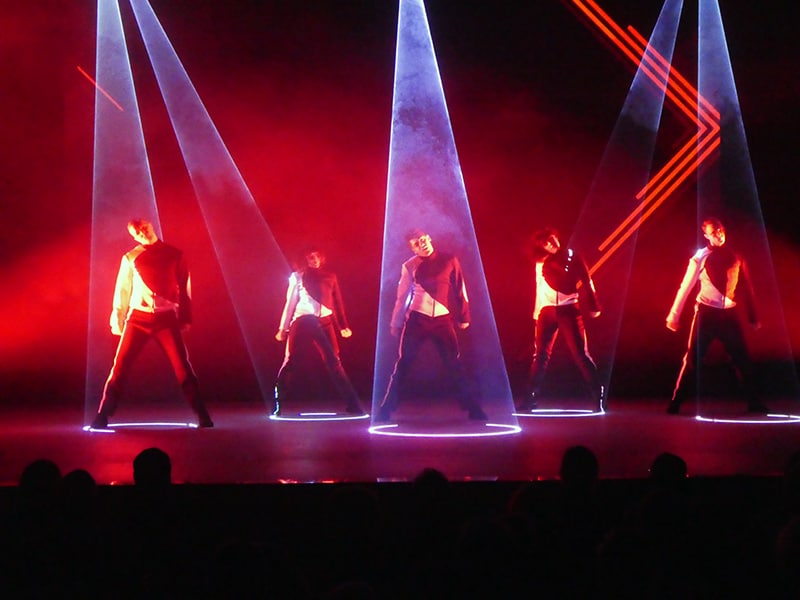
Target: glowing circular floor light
[
  {"x": 493, "y": 430},
  {"x": 561, "y": 413},
  {"x": 768, "y": 419},
  {"x": 142, "y": 425},
  {"x": 318, "y": 416}
]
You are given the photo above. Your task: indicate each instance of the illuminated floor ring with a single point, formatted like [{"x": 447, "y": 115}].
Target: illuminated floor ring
[
  {"x": 768, "y": 419},
  {"x": 561, "y": 413},
  {"x": 112, "y": 427},
  {"x": 310, "y": 417},
  {"x": 388, "y": 429}
]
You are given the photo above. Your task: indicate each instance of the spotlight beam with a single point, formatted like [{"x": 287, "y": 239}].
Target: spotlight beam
[
  {"x": 625, "y": 166},
  {"x": 122, "y": 188},
  {"x": 425, "y": 188},
  {"x": 731, "y": 182},
  {"x": 249, "y": 257}
]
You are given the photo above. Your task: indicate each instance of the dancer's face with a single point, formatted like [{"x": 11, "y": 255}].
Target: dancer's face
[
  {"x": 714, "y": 235},
  {"x": 144, "y": 234},
  {"x": 315, "y": 259},
  {"x": 551, "y": 244},
  {"x": 421, "y": 246}
]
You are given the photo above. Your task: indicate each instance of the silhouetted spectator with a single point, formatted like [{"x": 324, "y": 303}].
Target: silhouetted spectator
[
  {"x": 152, "y": 470},
  {"x": 787, "y": 553},
  {"x": 427, "y": 534},
  {"x": 658, "y": 550},
  {"x": 39, "y": 481},
  {"x": 579, "y": 522},
  {"x": 30, "y": 560},
  {"x": 351, "y": 538},
  {"x": 78, "y": 492},
  {"x": 434, "y": 509},
  {"x": 155, "y": 551},
  {"x": 85, "y": 546},
  {"x": 787, "y": 537},
  {"x": 791, "y": 483},
  {"x": 668, "y": 472},
  {"x": 579, "y": 472},
  {"x": 494, "y": 559},
  {"x": 568, "y": 524}
]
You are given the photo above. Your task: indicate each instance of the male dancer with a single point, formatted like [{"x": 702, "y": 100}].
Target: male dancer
[
  {"x": 562, "y": 287},
  {"x": 313, "y": 313},
  {"x": 724, "y": 286},
  {"x": 431, "y": 302},
  {"x": 152, "y": 299}
]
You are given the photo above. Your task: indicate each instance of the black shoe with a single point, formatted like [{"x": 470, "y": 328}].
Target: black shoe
[
  {"x": 99, "y": 422},
  {"x": 279, "y": 397},
  {"x": 602, "y": 398},
  {"x": 528, "y": 405},
  {"x": 205, "y": 422},
  {"x": 758, "y": 408},
  {"x": 673, "y": 408},
  {"x": 477, "y": 414}
]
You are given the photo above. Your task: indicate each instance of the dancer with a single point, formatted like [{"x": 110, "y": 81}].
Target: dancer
[
  {"x": 562, "y": 289},
  {"x": 431, "y": 302},
  {"x": 152, "y": 299},
  {"x": 724, "y": 287},
  {"x": 312, "y": 315}
]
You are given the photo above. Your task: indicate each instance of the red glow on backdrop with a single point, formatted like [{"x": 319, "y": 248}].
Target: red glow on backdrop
[
  {"x": 53, "y": 320},
  {"x": 308, "y": 125}
]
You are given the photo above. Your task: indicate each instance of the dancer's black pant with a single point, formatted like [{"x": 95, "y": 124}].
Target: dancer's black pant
[
  {"x": 141, "y": 327},
  {"x": 711, "y": 324},
  {"x": 418, "y": 330},
  {"x": 320, "y": 333},
  {"x": 568, "y": 321}
]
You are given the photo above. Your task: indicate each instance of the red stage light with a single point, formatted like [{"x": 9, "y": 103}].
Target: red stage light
[
  {"x": 685, "y": 97},
  {"x": 100, "y": 89}
]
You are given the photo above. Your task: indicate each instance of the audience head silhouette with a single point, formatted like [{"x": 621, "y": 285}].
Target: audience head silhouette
[
  {"x": 152, "y": 469},
  {"x": 579, "y": 469},
  {"x": 42, "y": 476},
  {"x": 668, "y": 471}
]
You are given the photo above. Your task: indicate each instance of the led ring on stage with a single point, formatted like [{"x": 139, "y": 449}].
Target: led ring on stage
[
  {"x": 318, "y": 416},
  {"x": 768, "y": 419},
  {"x": 561, "y": 413},
  {"x": 111, "y": 427},
  {"x": 391, "y": 429}
]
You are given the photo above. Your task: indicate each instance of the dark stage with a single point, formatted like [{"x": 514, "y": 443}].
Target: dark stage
[{"x": 245, "y": 447}]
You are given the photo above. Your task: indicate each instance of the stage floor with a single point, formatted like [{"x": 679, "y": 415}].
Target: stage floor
[{"x": 246, "y": 447}]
